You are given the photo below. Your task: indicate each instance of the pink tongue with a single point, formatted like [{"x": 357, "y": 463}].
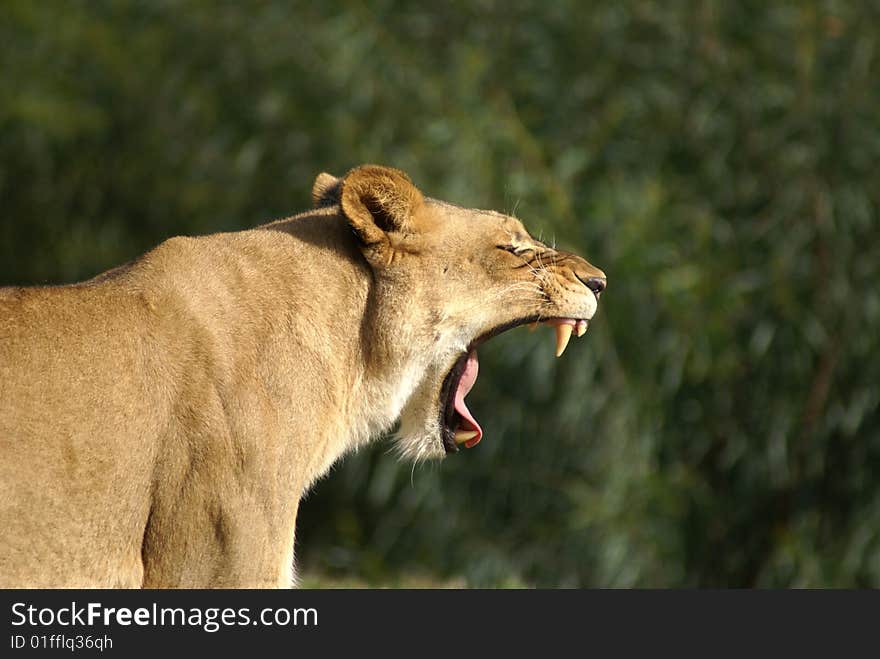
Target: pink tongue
[{"x": 465, "y": 384}]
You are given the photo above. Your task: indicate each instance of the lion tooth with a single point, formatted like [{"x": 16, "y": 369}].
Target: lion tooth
[
  {"x": 581, "y": 328},
  {"x": 533, "y": 326},
  {"x": 462, "y": 436},
  {"x": 563, "y": 334}
]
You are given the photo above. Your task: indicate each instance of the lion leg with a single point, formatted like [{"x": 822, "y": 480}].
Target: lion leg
[{"x": 224, "y": 545}]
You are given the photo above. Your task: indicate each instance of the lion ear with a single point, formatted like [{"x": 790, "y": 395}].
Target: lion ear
[
  {"x": 378, "y": 202},
  {"x": 325, "y": 191}
]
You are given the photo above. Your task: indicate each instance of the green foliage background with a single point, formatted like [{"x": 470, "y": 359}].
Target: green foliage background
[{"x": 719, "y": 424}]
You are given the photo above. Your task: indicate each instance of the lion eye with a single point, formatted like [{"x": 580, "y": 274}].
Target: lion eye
[{"x": 518, "y": 250}]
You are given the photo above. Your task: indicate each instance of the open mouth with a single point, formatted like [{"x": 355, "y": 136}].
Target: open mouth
[{"x": 458, "y": 425}]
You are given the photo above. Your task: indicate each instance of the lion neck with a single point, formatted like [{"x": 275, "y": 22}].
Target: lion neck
[{"x": 358, "y": 337}]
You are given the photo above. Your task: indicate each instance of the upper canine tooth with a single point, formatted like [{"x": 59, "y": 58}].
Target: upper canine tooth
[
  {"x": 581, "y": 328},
  {"x": 462, "y": 436},
  {"x": 563, "y": 334}
]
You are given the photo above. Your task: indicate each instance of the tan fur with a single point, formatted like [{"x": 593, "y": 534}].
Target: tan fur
[{"x": 160, "y": 422}]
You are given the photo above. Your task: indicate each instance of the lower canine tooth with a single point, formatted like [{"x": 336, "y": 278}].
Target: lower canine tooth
[
  {"x": 563, "y": 334},
  {"x": 463, "y": 436}
]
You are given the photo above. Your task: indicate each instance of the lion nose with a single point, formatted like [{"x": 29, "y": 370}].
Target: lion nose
[{"x": 595, "y": 284}]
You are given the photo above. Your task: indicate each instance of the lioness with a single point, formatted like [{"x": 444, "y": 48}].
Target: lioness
[{"x": 160, "y": 422}]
